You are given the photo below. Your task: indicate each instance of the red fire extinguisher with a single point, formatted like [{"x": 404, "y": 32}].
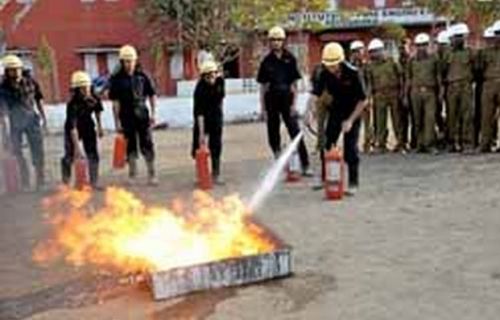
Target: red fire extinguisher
[
  {"x": 203, "y": 173},
  {"x": 11, "y": 174},
  {"x": 119, "y": 152},
  {"x": 334, "y": 168},
  {"x": 293, "y": 169},
  {"x": 81, "y": 173}
]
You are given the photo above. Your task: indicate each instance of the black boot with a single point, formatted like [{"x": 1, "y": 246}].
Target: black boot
[
  {"x": 94, "y": 175},
  {"x": 65, "y": 171},
  {"x": 216, "y": 172},
  {"x": 152, "y": 180}
]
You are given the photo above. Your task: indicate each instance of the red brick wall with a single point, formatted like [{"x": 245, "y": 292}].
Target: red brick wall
[{"x": 71, "y": 24}]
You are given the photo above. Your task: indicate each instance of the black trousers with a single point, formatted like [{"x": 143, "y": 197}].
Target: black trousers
[
  {"x": 213, "y": 129},
  {"x": 137, "y": 131},
  {"x": 89, "y": 141},
  {"x": 278, "y": 107},
  {"x": 351, "y": 152}
]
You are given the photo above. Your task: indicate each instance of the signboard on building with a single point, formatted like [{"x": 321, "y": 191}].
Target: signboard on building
[{"x": 366, "y": 18}]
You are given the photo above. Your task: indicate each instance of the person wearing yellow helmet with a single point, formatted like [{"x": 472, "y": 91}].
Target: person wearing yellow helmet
[
  {"x": 131, "y": 90},
  {"x": 344, "y": 83},
  {"x": 22, "y": 99},
  {"x": 208, "y": 112},
  {"x": 80, "y": 134},
  {"x": 278, "y": 75}
]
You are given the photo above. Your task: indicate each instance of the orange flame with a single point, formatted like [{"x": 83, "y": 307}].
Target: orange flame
[{"x": 126, "y": 234}]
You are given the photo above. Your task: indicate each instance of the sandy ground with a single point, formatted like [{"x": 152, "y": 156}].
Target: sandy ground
[{"x": 420, "y": 241}]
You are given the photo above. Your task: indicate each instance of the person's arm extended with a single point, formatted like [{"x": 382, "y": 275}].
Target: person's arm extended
[
  {"x": 76, "y": 143},
  {"x": 358, "y": 111},
  {"x": 152, "y": 105},
  {"x": 41, "y": 112},
  {"x": 263, "y": 90},
  {"x": 295, "y": 90},
  {"x": 100, "y": 131},
  {"x": 116, "y": 115},
  {"x": 201, "y": 127}
]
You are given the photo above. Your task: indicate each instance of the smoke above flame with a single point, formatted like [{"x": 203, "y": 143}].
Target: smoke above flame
[{"x": 127, "y": 235}]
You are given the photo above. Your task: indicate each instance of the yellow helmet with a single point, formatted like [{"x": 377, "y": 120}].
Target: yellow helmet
[
  {"x": 12, "y": 62},
  {"x": 80, "y": 79},
  {"x": 127, "y": 52},
  {"x": 277, "y": 33},
  {"x": 333, "y": 54},
  {"x": 208, "y": 67}
]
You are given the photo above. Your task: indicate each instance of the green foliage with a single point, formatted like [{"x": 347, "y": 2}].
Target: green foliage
[
  {"x": 485, "y": 11},
  {"x": 393, "y": 31},
  {"x": 44, "y": 56},
  {"x": 216, "y": 24}
]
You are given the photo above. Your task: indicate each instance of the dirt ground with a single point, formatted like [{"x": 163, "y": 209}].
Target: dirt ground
[{"x": 420, "y": 241}]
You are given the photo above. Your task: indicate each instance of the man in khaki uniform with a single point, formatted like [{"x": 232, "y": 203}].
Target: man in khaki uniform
[
  {"x": 489, "y": 66},
  {"x": 384, "y": 85},
  {"x": 443, "y": 47},
  {"x": 459, "y": 76},
  {"x": 422, "y": 84},
  {"x": 356, "y": 58}
]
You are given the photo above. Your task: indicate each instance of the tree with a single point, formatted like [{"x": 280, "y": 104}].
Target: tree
[
  {"x": 220, "y": 26},
  {"x": 45, "y": 63},
  {"x": 484, "y": 12}
]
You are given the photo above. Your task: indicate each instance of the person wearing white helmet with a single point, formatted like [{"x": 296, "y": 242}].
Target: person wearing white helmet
[
  {"x": 278, "y": 76},
  {"x": 208, "y": 121},
  {"x": 22, "y": 100},
  {"x": 384, "y": 80},
  {"x": 80, "y": 131},
  {"x": 344, "y": 84},
  {"x": 423, "y": 82},
  {"x": 489, "y": 71},
  {"x": 357, "y": 59},
  {"x": 131, "y": 91},
  {"x": 459, "y": 73}
]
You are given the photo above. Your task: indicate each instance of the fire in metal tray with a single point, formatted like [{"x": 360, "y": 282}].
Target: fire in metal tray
[{"x": 209, "y": 243}]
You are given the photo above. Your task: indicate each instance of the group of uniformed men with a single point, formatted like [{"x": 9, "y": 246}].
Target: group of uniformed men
[
  {"x": 447, "y": 98},
  {"x": 428, "y": 95},
  {"x": 130, "y": 90}
]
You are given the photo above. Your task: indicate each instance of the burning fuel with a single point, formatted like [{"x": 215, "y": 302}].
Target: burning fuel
[{"x": 126, "y": 235}]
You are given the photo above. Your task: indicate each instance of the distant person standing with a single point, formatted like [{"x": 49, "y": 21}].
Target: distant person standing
[
  {"x": 131, "y": 89},
  {"x": 357, "y": 59},
  {"x": 278, "y": 75},
  {"x": 423, "y": 81},
  {"x": 22, "y": 99},
  {"x": 208, "y": 114},
  {"x": 489, "y": 66},
  {"x": 385, "y": 86},
  {"x": 459, "y": 74}
]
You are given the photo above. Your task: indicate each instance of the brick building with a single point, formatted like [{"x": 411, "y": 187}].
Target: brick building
[{"x": 87, "y": 34}]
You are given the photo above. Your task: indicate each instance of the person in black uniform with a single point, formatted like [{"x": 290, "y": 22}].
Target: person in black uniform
[
  {"x": 278, "y": 75},
  {"x": 208, "y": 114},
  {"x": 80, "y": 126},
  {"x": 343, "y": 82},
  {"x": 22, "y": 101},
  {"x": 130, "y": 89}
]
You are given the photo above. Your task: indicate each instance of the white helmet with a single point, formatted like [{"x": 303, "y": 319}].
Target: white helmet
[
  {"x": 496, "y": 27},
  {"x": 459, "y": 29},
  {"x": 489, "y": 33},
  {"x": 443, "y": 37},
  {"x": 375, "y": 44},
  {"x": 422, "y": 38},
  {"x": 356, "y": 45}
]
